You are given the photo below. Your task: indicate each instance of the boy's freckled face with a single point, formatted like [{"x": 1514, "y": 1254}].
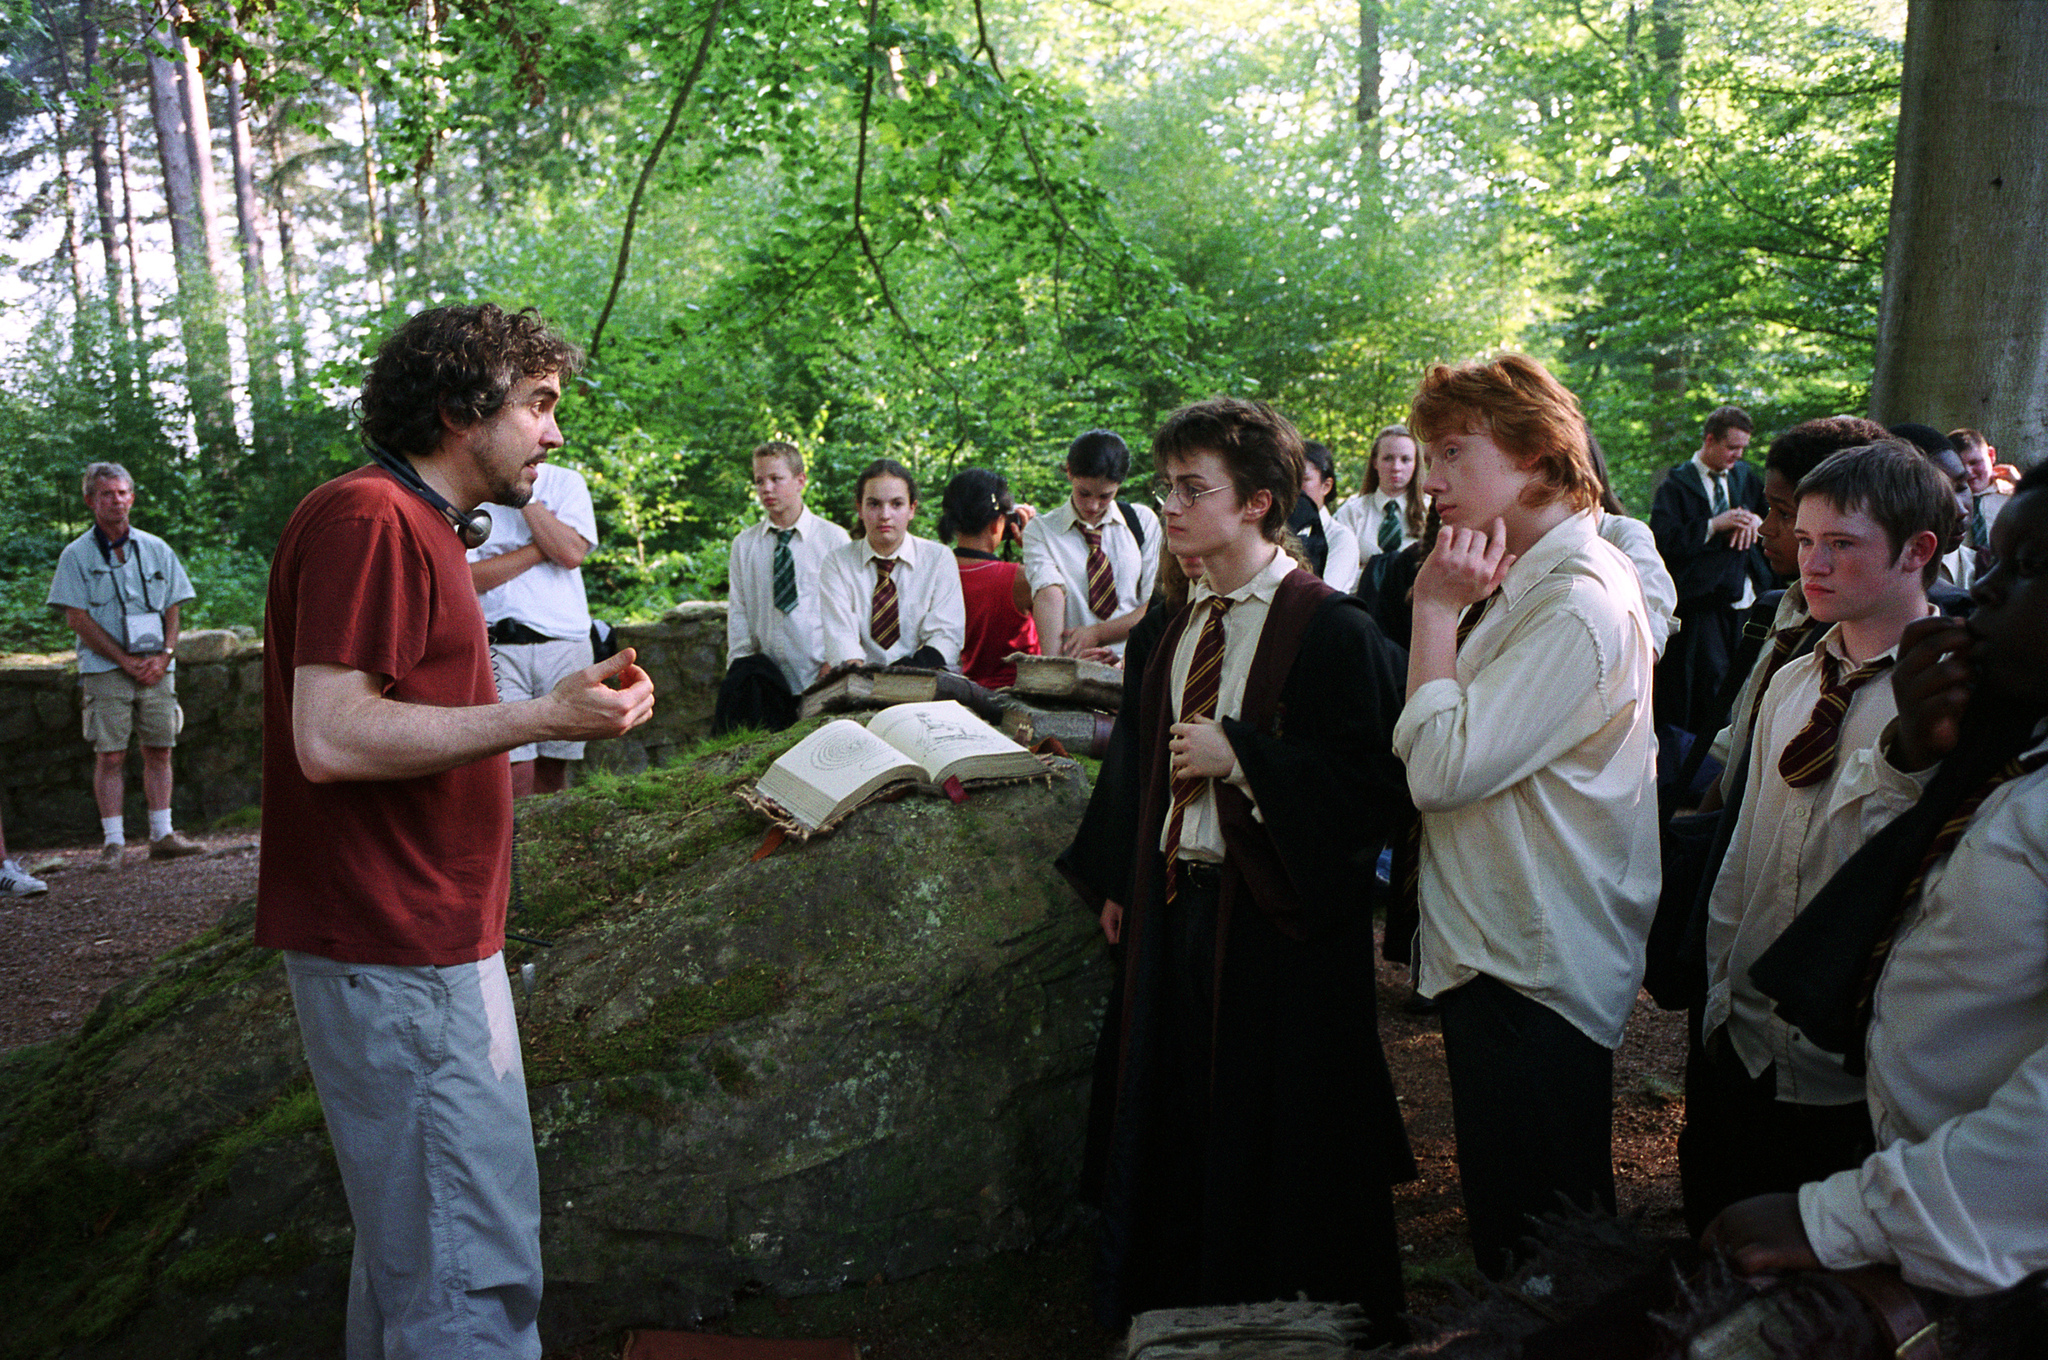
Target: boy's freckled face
[
  {"x": 2010, "y": 622},
  {"x": 1847, "y": 568},
  {"x": 1473, "y": 479}
]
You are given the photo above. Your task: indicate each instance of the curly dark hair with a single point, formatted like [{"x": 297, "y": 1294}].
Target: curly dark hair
[{"x": 457, "y": 361}]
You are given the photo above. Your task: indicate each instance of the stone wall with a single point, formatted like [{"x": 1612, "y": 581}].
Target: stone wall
[{"x": 46, "y": 767}]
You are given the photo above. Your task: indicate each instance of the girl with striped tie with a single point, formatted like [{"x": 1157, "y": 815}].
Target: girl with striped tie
[{"x": 891, "y": 597}]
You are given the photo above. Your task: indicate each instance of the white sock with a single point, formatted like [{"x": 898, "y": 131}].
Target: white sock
[
  {"x": 113, "y": 830},
  {"x": 159, "y": 823}
]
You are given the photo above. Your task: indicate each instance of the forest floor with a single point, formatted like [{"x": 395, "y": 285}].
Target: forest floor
[{"x": 61, "y": 952}]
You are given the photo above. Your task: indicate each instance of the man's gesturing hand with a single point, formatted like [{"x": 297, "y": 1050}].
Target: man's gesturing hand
[{"x": 591, "y": 710}]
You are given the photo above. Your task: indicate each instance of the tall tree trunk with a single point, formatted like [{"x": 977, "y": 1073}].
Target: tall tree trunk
[
  {"x": 287, "y": 265},
  {"x": 103, "y": 194},
  {"x": 195, "y": 249},
  {"x": 1369, "y": 81},
  {"x": 128, "y": 232},
  {"x": 1668, "y": 375},
  {"x": 266, "y": 392},
  {"x": 1962, "y": 331},
  {"x": 373, "y": 208},
  {"x": 67, "y": 92}
]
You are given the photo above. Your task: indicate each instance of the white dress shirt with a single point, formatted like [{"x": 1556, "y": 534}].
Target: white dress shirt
[
  {"x": 1660, "y": 592},
  {"x": 795, "y": 641},
  {"x": 1056, "y": 554},
  {"x": 1787, "y": 843},
  {"x": 1340, "y": 567},
  {"x": 1201, "y": 830},
  {"x": 1536, "y": 774},
  {"x": 1957, "y": 1194},
  {"x": 930, "y": 610},
  {"x": 546, "y": 598},
  {"x": 1362, "y": 515}
]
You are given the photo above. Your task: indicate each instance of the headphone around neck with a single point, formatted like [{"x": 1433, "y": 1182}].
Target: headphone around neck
[{"x": 474, "y": 528}]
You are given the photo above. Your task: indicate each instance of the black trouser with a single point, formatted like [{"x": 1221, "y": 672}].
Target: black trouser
[
  {"x": 754, "y": 694},
  {"x": 1532, "y": 1100},
  {"x": 1740, "y": 1140}
]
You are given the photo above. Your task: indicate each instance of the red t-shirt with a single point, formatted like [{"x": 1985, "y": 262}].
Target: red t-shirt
[
  {"x": 995, "y": 626},
  {"x": 399, "y": 871}
]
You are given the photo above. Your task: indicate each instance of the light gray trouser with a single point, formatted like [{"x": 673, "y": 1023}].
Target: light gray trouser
[{"x": 419, "y": 1075}]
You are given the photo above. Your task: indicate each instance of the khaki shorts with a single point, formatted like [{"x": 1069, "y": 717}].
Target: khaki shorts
[
  {"x": 530, "y": 670},
  {"x": 117, "y": 708}
]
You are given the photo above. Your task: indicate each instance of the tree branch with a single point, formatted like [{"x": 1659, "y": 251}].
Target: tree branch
[
  {"x": 675, "y": 114},
  {"x": 1798, "y": 228}
]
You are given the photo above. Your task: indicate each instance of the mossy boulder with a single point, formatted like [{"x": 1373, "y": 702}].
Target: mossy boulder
[{"x": 863, "y": 1056}]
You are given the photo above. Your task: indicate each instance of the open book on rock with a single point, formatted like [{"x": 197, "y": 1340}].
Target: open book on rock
[{"x": 843, "y": 764}]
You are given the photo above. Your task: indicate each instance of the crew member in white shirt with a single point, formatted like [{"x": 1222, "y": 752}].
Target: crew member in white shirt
[
  {"x": 775, "y": 617},
  {"x": 1318, "y": 480},
  {"x": 1093, "y": 561},
  {"x": 1765, "y": 1109},
  {"x": 529, "y": 578},
  {"x": 1956, "y": 1194},
  {"x": 1531, "y": 757},
  {"x": 891, "y": 596}
]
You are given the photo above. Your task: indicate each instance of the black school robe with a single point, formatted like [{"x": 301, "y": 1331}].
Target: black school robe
[{"x": 1270, "y": 1177}]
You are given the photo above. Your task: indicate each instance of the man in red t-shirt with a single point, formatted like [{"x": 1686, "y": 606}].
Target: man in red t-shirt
[{"x": 387, "y": 821}]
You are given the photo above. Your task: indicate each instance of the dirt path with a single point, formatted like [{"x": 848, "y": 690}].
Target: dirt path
[{"x": 60, "y": 952}]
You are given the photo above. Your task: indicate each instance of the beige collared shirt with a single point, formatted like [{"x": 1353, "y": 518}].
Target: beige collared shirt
[
  {"x": 1201, "y": 832},
  {"x": 1535, "y": 772},
  {"x": 1787, "y": 843}
]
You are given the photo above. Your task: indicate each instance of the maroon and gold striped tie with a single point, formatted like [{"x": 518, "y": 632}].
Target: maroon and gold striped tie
[
  {"x": 1810, "y": 756},
  {"x": 1101, "y": 582},
  {"x": 1197, "y": 700},
  {"x": 883, "y": 626}
]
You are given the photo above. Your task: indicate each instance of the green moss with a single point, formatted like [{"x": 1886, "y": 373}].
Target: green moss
[
  {"x": 731, "y": 1072},
  {"x": 561, "y": 1052},
  {"x": 247, "y": 818},
  {"x": 221, "y": 1264},
  {"x": 594, "y": 851},
  {"x": 632, "y": 1098}
]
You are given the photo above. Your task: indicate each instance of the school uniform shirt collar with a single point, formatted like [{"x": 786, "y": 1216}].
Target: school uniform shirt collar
[
  {"x": 908, "y": 555},
  {"x": 1831, "y": 643},
  {"x": 1068, "y": 517},
  {"x": 1566, "y": 537},
  {"x": 1263, "y": 586},
  {"x": 806, "y": 524}
]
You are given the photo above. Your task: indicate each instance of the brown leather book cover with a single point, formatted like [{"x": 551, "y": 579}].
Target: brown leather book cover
[{"x": 701, "y": 1346}]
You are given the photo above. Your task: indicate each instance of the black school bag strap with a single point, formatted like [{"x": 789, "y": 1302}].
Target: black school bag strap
[{"x": 1130, "y": 513}]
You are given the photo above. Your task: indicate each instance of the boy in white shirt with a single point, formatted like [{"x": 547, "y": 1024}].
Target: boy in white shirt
[
  {"x": 890, "y": 596},
  {"x": 1766, "y": 1109},
  {"x": 1093, "y": 561},
  {"x": 1957, "y": 1026},
  {"x": 774, "y": 623},
  {"x": 1532, "y": 759}
]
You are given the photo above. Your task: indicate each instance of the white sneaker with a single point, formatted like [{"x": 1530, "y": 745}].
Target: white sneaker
[{"x": 16, "y": 882}]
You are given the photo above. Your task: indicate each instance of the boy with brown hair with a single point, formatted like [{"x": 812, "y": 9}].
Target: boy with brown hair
[
  {"x": 1251, "y": 1128},
  {"x": 1531, "y": 756},
  {"x": 1869, "y": 525},
  {"x": 1952, "y": 900}
]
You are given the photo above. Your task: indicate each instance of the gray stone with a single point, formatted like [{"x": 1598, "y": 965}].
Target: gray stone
[
  {"x": 865, "y": 1055},
  {"x": 207, "y": 644}
]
